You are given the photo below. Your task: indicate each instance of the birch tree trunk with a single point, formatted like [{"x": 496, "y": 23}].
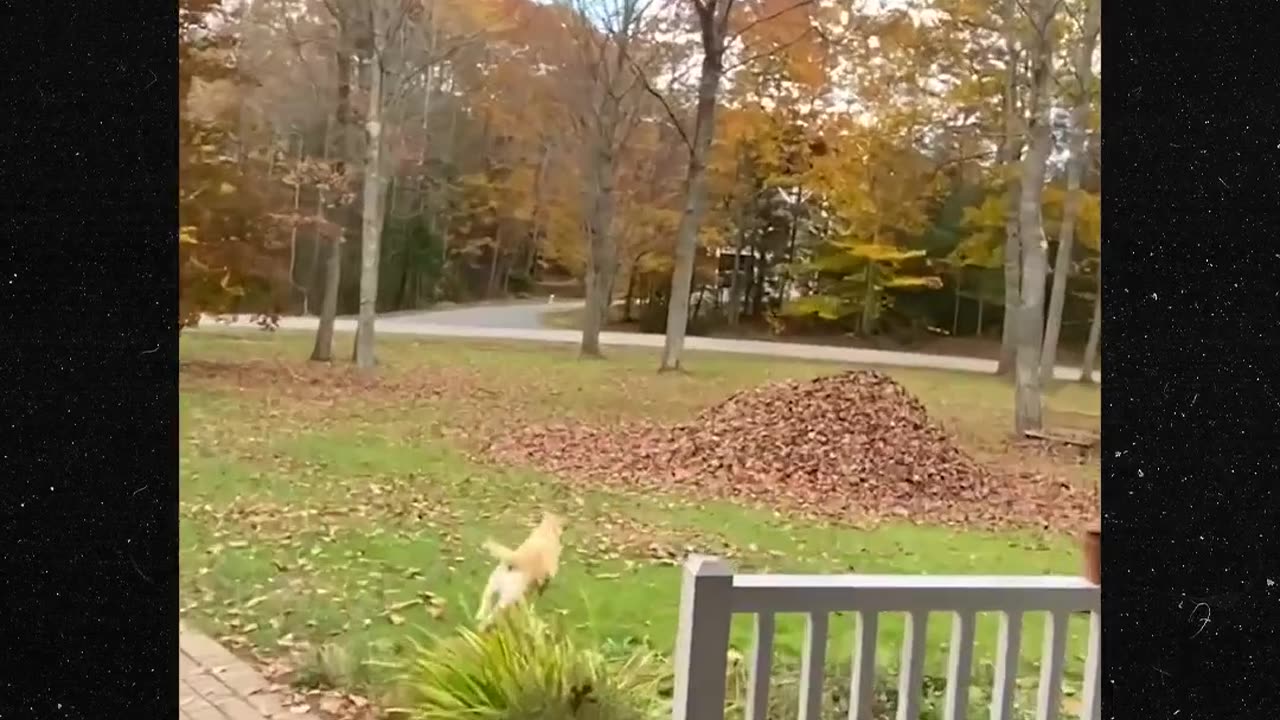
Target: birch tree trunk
[
  {"x": 371, "y": 228},
  {"x": 714, "y": 23},
  {"x": 1071, "y": 207},
  {"x": 1010, "y": 149},
  {"x": 1027, "y": 388},
  {"x": 1095, "y": 335}
]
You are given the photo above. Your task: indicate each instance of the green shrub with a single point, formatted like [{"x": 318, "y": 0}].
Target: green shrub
[
  {"x": 331, "y": 666},
  {"x": 525, "y": 669}
]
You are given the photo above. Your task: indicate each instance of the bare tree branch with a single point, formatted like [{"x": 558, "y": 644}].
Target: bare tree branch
[
  {"x": 772, "y": 16},
  {"x": 662, "y": 100},
  {"x": 771, "y": 51}
]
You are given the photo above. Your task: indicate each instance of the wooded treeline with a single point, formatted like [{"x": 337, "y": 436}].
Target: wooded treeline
[{"x": 903, "y": 168}]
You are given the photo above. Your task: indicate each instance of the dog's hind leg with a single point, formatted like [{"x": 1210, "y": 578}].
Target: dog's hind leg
[
  {"x": 512, "y": 587},
  {"x": 486, "y": 598}
]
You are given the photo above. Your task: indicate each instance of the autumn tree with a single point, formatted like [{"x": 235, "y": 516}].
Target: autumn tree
[
  {"x": 229, "y": 250},
  {"x": 713, "y": 20},
  {"x": 878, "y": 191},
  {"x": 1033, "y": 245},
  {"x": 626, "y": 144},
  {"x": 1082, "y": 92},
  {"x": 395, "y": 46},
  {"x": 1012, "y": 143},
  {"x": 1095, "y": 331},
  {"x": 606, "y": 110}
]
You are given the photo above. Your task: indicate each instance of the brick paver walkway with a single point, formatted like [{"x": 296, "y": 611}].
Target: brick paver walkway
[{"x": 213, "y": 684}]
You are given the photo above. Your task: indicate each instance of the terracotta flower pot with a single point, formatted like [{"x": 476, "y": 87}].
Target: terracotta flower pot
[{"x": 1091, "y": 543}]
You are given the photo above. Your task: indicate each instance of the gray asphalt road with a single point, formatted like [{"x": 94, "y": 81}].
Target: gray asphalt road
[
  {"x": 522, "y": 322},
  {"x": 516, "y": 316}
]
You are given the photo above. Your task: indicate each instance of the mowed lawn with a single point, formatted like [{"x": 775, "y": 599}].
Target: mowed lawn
[{"x": 323, "y": 509}]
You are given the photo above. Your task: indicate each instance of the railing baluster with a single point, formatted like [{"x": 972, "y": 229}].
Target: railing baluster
[
  {"x": 1091, "y": 707},
  {"x": 959, "y": 666},
  {"x": 761, "y": 668},
  {"x": 1007, "y": 659},
  {"x": 912, "y": 677},
  {"x": 813, "y": 667},
  {"x": 1052, "y": 658},
  {"x": 702, "y": 638},
  {"x": 711, "y": 593},
  {"x": 863, "y": 682}
]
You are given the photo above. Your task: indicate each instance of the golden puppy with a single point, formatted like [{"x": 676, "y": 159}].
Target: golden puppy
[{"x": 530, "y": 566}]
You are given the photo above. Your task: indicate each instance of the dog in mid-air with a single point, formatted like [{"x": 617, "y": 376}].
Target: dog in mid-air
[{"x": 531, "y": 566}]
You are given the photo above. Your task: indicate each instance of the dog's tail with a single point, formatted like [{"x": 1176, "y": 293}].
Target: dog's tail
[{"x": 501, "y": 553}]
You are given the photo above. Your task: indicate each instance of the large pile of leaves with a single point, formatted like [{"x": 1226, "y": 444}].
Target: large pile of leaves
[{"x": 854, "y": 447}]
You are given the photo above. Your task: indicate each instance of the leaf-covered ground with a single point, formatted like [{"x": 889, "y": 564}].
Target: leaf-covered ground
[{"x": 322, "y": 509}]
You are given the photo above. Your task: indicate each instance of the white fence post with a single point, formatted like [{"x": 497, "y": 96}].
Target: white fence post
[
  {"x": 711, "y": 593},
  {"x": 959, "y": 666},
  {"x": 1008, "y": 654},
  {"x": 702, "y": 640},
  {"x": 813, "y": 667},
  {"x": 762, "y": 669},
  {"x": 863, "y": 682},
  {"x": 1092, "y": 705},
  {"x": 911, "y": 678}
]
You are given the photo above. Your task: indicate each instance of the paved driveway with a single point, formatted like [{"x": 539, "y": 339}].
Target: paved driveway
[{"x": 523, "y": 322}]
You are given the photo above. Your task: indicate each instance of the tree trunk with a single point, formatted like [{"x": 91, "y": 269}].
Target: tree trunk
[
  {"x": 735, "y": 284},
  {"x": 490, "y": 288},
  {"x": 1095, "y": 334},
  {"x": 1010, "y": 149},
  {"x": 746, "y": 176},
  {"x": 714, "y": 21},
  {"x": 371, "y": 228},
  {"x": 1071, "y": 208},
  {"x": 313, "y": 262},
  {"x": 428, "y": 78},
  {"x": 955, "y": 311},
  {"x": 293, "y": 230},
  {"x": 602, "y": 251},
  {"x": 1012, "y": 285},
  {"x": 784, "y": 283},
  {"x": 609, "y": 119},
  {"x": 1027, "y": 387},
  {"x": 869, "y": 300},
  {"x": 977, "y": 332},
  {"x": 537, "y": 220},
  {"x": 323, "y": 350},
  {"x": 759, "y": 286},
  {"x": 627, "y": 308}
]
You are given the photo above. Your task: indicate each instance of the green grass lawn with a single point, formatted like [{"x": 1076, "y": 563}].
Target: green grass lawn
[{"x": 343, "y": 512}]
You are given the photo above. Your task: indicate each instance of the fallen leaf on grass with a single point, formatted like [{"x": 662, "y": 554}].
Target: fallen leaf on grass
[{"x": 403, "y": 605}]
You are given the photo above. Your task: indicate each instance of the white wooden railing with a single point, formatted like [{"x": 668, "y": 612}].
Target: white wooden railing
[{"x": 712, "y": 593}]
